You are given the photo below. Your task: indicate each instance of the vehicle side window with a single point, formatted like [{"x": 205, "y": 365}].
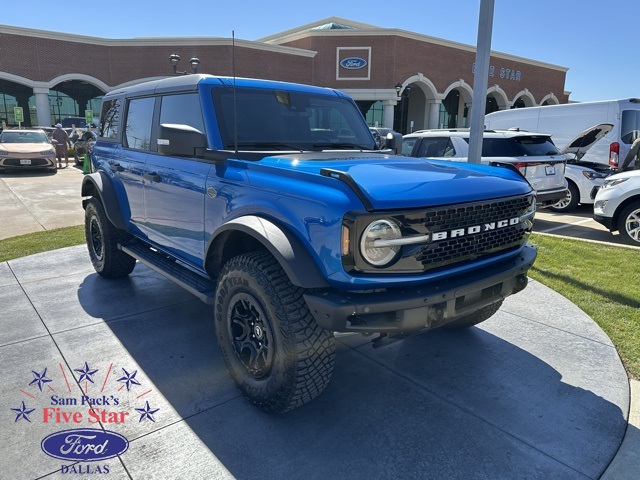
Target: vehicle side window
[
  {"x": 407, "y": 146},
  {"x": 182, "y": 109},
  {"x": 630, "y": 126},
  {"x": 138, "y": 123},
  {"x": 436, "y": 147},
  {"x": 110, "y": 119}
]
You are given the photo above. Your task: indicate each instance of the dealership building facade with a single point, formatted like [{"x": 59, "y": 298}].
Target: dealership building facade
[{"x": 399, "y": 79}]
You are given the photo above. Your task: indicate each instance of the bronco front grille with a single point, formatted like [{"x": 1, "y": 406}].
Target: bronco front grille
[
  {"x": 454, "y": 234},
  {"x": 459, "y": 218}
]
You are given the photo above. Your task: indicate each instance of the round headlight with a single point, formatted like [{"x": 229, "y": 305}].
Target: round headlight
[{"x": 380, "y": 230}]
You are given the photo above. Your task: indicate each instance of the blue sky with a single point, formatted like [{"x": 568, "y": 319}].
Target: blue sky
[{"x": 597, "y": 40}]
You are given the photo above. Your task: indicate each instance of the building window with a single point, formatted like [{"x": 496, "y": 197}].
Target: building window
[
  {"x": 449, "y": 110},
  {"x": 374, "y": 115},
  {"x": 62, "y": 106},
  {"x": 492, "y": 105}
]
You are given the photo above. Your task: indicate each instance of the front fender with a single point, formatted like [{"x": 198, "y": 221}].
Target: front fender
[
  {"x": 290, "y": 253},
  {"x": 99, "y": 185}
]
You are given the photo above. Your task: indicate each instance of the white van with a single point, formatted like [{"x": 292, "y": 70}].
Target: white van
[{"x": 564, "y": 122}]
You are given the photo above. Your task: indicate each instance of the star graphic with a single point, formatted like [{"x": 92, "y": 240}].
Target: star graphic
[
  {"x": 23, "y": 413},
  {"x": 146, "y": 413},
  {"x": 86, "y": 373},
  {"x": 40, "y": 378},
  {"x": 129, "y": 379}
]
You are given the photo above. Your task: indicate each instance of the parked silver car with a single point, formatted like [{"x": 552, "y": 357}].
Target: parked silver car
[{"x": 533, "y": 154}]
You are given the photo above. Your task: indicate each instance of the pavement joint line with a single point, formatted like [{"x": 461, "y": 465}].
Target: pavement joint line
[
  {"x": 506, "y": 310},
  {"x": 560, "y": 227},
  {"x": 410, "y": 380}
]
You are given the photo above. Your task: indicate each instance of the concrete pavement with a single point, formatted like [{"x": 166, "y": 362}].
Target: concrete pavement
[
  {"x": 537, "y": 391},
  {"x": 37, "y": 201}
]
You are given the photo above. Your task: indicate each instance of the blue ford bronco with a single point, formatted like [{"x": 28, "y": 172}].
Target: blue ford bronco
[{"x": 272, "y": 202}]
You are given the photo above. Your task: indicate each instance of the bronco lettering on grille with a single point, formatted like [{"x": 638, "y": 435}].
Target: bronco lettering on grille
[{"x": 472, "y": 230}]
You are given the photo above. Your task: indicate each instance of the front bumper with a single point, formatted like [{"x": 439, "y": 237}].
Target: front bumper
[
  {"x": 422, "y": 307},
  {"x": 606, "y": 221},
  {"x": 20, "y": 163}
]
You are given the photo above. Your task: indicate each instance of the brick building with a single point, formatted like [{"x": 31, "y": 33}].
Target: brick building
[{"x": 399, "y": 79}]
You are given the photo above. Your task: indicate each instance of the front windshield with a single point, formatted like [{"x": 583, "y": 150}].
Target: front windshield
[
  {"x": 23, "y": 137},
  {"x": 289, "y": 120}
]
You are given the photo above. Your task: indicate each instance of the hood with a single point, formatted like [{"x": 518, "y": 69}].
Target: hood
[
  {"x": 394, "y": 182},
  {"x": 25, "y": 147},
  {"x": 585, "y": 140}
]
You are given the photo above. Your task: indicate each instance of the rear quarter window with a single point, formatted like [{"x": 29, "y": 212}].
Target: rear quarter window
[{"x": 110, "y": 116}]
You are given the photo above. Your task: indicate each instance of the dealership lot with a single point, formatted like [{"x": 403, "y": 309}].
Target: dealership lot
[
  {"x": 498, "y": 401},
  {"x": 578, "y": 223}
]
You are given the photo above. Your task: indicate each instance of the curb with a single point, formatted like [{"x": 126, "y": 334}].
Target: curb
[{"x": 626, "y": 464}]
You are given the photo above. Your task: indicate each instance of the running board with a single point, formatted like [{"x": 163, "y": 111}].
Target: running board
[{"x": 199, "y": 285}]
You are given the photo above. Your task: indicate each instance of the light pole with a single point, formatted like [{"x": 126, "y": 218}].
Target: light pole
[{"x": 175, "y": 58}]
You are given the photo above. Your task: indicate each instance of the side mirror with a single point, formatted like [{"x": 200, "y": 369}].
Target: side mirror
[
  {"x": 180, "y": 140},
  {"x": 394, "y": 142}
]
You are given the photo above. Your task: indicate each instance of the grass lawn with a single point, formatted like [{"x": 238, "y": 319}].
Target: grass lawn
[
  {"x": 604, "y": 281},
  {"x": 31, "y": 243}
]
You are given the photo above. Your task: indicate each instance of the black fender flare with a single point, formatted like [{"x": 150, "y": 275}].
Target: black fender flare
[
  {"x": 290, "y": 253},
  {"x": 99, "y": 185}
]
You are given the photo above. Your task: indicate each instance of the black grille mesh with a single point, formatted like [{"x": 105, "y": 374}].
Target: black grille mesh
[{"x": 471, "y": 246}]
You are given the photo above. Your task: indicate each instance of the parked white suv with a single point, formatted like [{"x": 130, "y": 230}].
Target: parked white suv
[
  {"x": 617, "y": 205},
  {"x": 534, "y": 154}
]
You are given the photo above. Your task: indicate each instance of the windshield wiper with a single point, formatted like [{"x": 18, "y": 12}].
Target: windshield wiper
[
  {"x": 276, "y": 145},
  {"x": 340, "y": 145}
]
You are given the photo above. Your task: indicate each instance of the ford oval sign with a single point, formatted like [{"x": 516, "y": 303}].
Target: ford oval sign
[
  {"x": 353, "y": 63},
  {"x": 84, "y": 445}
]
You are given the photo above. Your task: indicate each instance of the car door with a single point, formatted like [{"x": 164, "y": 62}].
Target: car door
[
  {"x": 129, "y": 162},
  {"x": 174, "y": 187}
]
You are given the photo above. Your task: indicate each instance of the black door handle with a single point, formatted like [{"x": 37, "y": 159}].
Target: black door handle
[
  {"x": 116, "y": 167},
  {"x": 152, "y": 177}
]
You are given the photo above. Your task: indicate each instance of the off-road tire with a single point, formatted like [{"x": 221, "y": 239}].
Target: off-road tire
[
  {"x": 102, "y": 242},
  {"x": 276, "y": 353},
  {"x": 570, "y": 202},
  {"x": 629, "y": 224},
  {"x": 476, "y": 317}
]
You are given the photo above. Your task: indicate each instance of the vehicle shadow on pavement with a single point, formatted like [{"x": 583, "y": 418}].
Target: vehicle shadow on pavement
[{"x": 446, "y": 404}]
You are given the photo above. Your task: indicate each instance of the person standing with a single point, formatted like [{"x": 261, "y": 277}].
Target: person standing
[{"x": 62, "y": 147}]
